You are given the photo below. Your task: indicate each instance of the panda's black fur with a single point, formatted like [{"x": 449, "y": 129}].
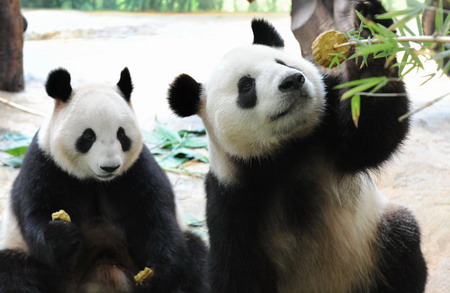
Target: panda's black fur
[
  {"x": 127, "y": 223},
  {"x": 239, "y": 260}
]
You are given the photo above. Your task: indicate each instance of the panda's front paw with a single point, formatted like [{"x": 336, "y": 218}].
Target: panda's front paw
[
  {"x": 64, "y": 239},
  {"x": 370, "y": 9}
]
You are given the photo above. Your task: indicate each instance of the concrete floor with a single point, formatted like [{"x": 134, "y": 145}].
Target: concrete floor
[{"x": 157, "y": 47}]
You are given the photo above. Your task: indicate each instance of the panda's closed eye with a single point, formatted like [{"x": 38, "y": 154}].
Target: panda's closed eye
[
  {"x": 247, "y": 92},
  {"x": 245, "y": 84},
  {"x": 284, "y": 64},
  {"x": 123, "y": 139},
  {"x": 85, "y": 141}
]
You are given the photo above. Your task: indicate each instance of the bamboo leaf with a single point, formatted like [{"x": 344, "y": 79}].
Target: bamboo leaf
[
  {"x": 395, "y": 13},
  {"x": 356, "y": 109},
  {"x": 361, "y": 88},
  {"x": 359, "y": 81},
  {"x": 16, "y": 151},
  {"x": 375, "y": 48}
]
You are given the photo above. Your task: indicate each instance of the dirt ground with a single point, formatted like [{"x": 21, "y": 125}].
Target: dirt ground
[{"x": 157, "y": 47}]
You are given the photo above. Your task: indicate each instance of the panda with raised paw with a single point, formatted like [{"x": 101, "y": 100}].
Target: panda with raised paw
[
  {"x": 291, "y": 206},
  {"x": 89, "y": 160}
]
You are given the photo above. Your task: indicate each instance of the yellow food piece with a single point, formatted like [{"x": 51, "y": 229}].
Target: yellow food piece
[
  {"x": 143, "y": 275},
  {"x": 325, "y": 44},
  {"x": 61, "y": 215}
]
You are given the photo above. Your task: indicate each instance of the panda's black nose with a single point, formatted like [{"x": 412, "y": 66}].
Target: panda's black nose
[
  {"x": 109, "y": 169},
  {"x": 292, "y": 82}
]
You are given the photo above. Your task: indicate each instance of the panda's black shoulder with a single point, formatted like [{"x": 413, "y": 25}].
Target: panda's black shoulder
[{"x": 38, "y": 167}]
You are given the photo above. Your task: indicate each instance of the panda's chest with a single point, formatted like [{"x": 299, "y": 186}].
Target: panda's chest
[{"x": 311, "y": 237}]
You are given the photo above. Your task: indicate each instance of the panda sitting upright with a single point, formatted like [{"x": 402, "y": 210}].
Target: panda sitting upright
[
  {"x": 291, "y": 207},
  {"x": 89, "y": 160}
]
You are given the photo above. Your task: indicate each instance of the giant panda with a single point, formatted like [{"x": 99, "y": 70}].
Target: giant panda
[
  {"x": 291, "y": 206},
  {"x": 89, "y": 160}
]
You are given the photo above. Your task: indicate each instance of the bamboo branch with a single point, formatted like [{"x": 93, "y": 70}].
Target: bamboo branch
[
  {"x": 416, "y": 39},
  {"x": 426, "y": 105},
  {"x": 21, "y": 107},
  {"x": 382, "y": 94}
]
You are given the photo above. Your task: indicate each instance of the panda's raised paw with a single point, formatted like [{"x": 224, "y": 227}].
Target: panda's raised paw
[{"x": 370, "y": 9}]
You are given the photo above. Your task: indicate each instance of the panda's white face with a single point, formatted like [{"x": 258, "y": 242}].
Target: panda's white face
[
  {"x": 94, "y": 135},
  {"x": 258, "y": 97}
]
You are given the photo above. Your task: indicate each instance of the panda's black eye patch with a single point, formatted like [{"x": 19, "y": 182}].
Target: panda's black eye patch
[
  {"x": 85, "y": 141},
  {"x": 247, "y": 92},
  {"x": 124, "y": 140}
]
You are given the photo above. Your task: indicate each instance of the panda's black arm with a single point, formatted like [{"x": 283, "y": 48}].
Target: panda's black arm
[
  {"x": 379, "y": 132},
  {"x": 33, "y": 195}
]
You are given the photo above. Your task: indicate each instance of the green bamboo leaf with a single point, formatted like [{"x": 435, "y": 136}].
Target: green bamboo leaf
[
  {"x": 189, "y": 154},
  {"x": 185, "y": 132},
  {"x": 167, "y": 135},
  {"x": 356, "y": 109},
  {"x": 195, "y": 142},
  {"x": 406, "y": 29},
  {"x": 354, "y": 91},
  {"x": 446, "y": 25},
  {"x": 16, "y": 151},
  {"x": 439, "y": 18},
  {"x": 414, "y": 12},
  {"x": 392, "y": 14},
  {"x": 374, "y": 48},
  {"x": 358, "y": 82},
  {"x": 429, "y": 77},
  {"x": 381, "y": 84},
  {"x": 419, "y": 25}
]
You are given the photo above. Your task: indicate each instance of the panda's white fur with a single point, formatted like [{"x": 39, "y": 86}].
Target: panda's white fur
[
  {"x": 261, "y": 135},
  {"x": 10, "y": 234},
  {"x": 306, "y": 262},
  {"x": 103, "y": 109}
]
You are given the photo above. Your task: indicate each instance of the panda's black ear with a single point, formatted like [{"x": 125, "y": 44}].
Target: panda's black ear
[
  {"x": 265, "y": 34},
  {"x": 184, "y": 95},
  {"x": 58, "y": 85},
  {"x": 125, "y": 84}
]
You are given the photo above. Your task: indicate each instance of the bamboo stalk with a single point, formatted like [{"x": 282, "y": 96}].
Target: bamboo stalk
[
  {"x": 21, "y": 107},
  {"x": 417, "y": 39},
  {"x": 426, "y": 105}
]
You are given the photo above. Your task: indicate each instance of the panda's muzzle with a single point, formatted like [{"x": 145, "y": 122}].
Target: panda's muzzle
[{"x": 292, "y": 82}]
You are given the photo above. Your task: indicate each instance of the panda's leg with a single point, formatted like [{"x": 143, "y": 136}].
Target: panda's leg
[
  {"x": 195, "y": 264},
  {"x": 379, "y": 132},
  {"x": 19, "y": 272},
  {"x": 402, "y": 267}
]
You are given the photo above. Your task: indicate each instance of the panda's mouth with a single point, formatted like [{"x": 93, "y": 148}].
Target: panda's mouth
[
  {"x": 107, "y": 176},
  {"x": 282, "y": 113}
]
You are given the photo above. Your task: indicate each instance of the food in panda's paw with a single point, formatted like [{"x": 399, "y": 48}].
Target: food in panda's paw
[
  {"x": 143, "y": 275},
  {"x": 325, "y": 45},
  {"x": 61, "y": 215}
]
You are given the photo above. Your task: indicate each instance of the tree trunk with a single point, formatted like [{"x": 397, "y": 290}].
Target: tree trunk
[{"x": 11, "y": 46}]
